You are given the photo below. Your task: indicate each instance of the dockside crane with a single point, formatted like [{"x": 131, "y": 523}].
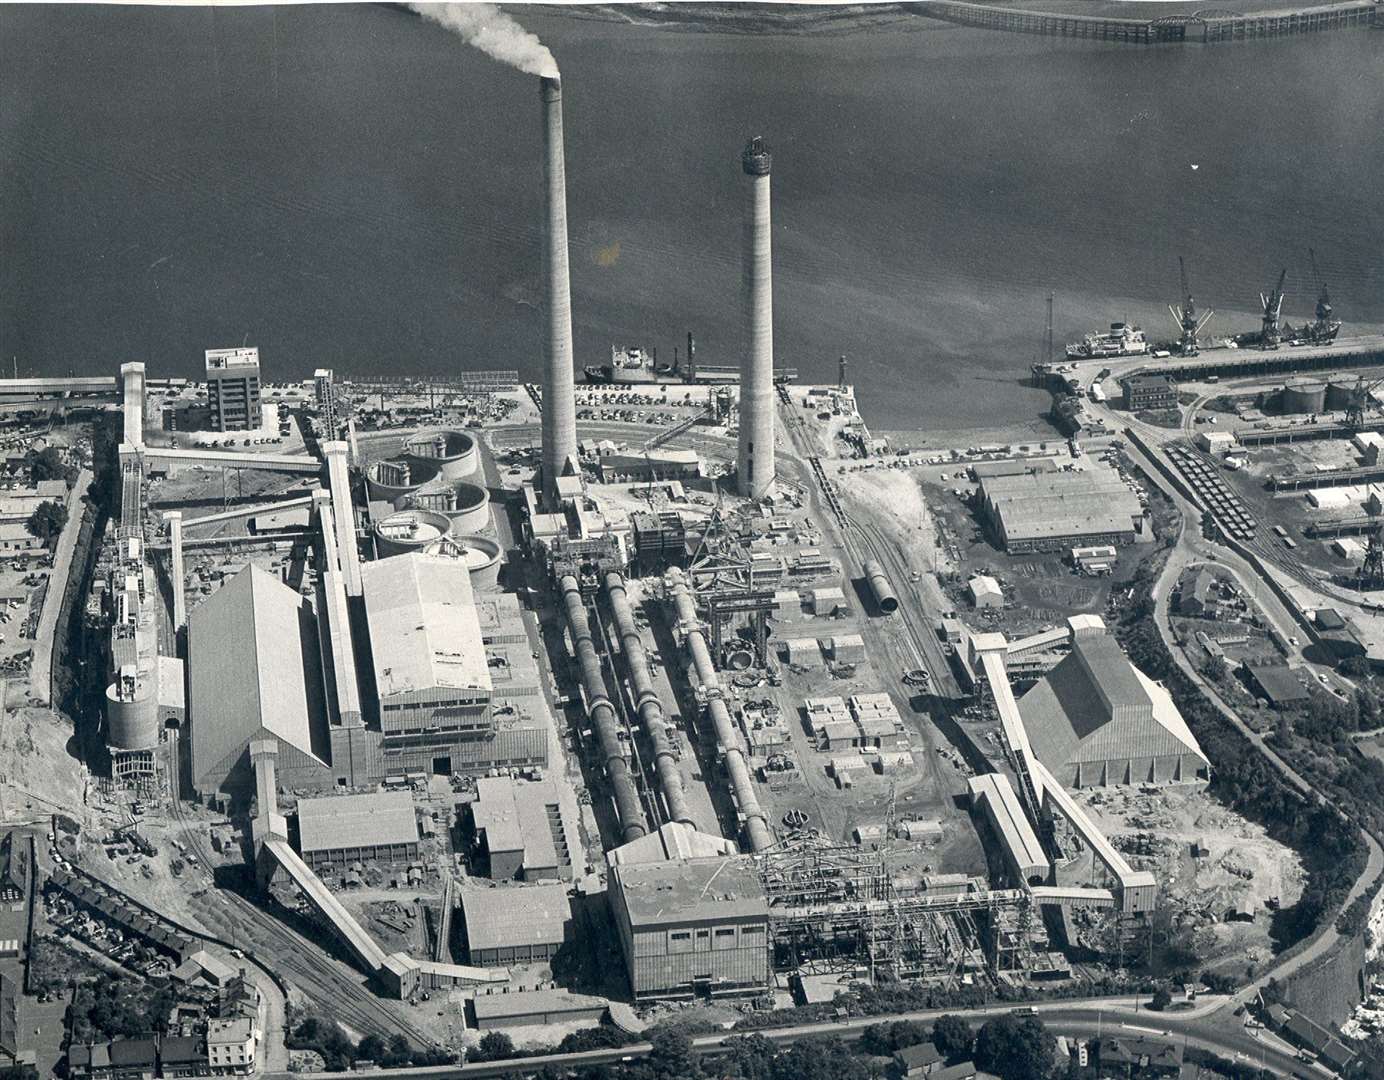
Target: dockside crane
[
  {"x": 1271, "y": 336},
  {"x": 1186, "y": 316},
  {"x": 1360, "y": 401},
  {"x": 1324, "y": 330}
]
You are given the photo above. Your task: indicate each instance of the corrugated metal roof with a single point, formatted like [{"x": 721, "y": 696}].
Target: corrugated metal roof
[
  {"x": 383, "y": 817},
  {"x": 1037, "y": 505},
  {"x": 672, "y": 840},
  {"x": 522, "y": 915},
  {"x": 424, "y": 632},
  {"x": 251, "y": 668}
]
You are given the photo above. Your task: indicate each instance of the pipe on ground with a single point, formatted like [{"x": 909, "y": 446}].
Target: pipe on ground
[
  {"x": 737, "y": 768},
  {"x": 651, "y": 713},
  {"x": 880, "y": 588},
  {"x": 627, "y": 805}
]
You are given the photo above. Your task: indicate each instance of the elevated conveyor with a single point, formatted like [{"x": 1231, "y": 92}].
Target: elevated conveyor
[{"x": 296, "y": 464}]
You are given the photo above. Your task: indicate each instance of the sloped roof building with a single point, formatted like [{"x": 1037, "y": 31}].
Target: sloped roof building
[{"x": 1097, "y": 720}]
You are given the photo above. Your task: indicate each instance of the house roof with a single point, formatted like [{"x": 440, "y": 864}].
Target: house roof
[
  {"x": 14, "y": 862},
  {"x": 1279, "y": 683},
  {"x": 918, "y": 1056}
]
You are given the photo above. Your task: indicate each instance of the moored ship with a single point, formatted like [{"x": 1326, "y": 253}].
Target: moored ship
[{"x": 1120, "y": 340}]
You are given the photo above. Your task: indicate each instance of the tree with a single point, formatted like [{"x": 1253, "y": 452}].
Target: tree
[
  {"x": 47, "y": 521},
  {"x": 373, "y": 1048},
  {"x": 886, "y": 1037},
  {"x": 952, "y": 1036},
  {"x": 494, "y": 1046},
  {"x": 1162, "y": 998},
  {"x": 671, "y": 1056},
  {"x": 1215, "y": 668},
  {"x": 48, "y": 464},
  {"x": 750, "y": 1057},
  {"x": 1014, "y": 1048}
]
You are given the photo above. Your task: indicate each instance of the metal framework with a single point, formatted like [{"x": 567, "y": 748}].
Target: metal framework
[{"x": 835, "y": 908}]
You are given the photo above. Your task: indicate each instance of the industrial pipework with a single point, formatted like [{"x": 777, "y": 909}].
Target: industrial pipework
[
  {"x": 627, "y": 805},
  {"x": 651, "y": 713},
  {"x": 880, "y": 588},
  {"x": 559, "y": 389},
  {"x": 742, "y": 786}
]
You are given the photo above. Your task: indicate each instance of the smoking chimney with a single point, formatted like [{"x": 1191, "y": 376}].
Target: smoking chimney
[
  {"x": 559, "y": 406},
  {"x": 755, "y": 465}
]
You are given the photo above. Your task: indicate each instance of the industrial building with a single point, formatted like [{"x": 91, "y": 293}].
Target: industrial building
[
  {"x": 1149, "y": 392},
  {"x": 515, "y": 925},
  {"x": 518, "y": 826},
  {"x": 335, "y": 831},
  {"x": 985, "y": 592},
  {"x": 1277, "y": 684},
  {"x": 1097, "y": 720},
  {"x": 254, "y": 674},
  {"x": 233, "y": 389},
  {"x": 691, "y": 926},
  {"x": 532, "y": 1008},
  {"x": 994, "y": 796},
  {"x": 1059, "y": 510}
]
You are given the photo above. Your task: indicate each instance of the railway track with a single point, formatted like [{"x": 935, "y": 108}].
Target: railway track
[{"x": 295, "y": 956}]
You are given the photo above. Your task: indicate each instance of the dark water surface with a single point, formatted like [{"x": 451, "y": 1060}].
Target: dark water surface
[{"x": 354, "y": 188}]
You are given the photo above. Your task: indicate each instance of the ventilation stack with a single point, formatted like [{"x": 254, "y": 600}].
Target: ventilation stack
[
  {"x": 559, "y": 392},
  {"x": 755, "y": 463}
]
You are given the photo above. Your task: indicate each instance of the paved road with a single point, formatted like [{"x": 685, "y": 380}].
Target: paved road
[
  {"x": 41, "y": 664},
  {"x": 1191, "y": 549},
  {"x": 1201, "y": 1027}
]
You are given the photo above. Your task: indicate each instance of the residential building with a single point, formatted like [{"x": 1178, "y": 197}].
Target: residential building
[
  {"x": 233, "y": 389},
  {"x": 922, "y": 1059},
  {"x": 231, "y": 1046},
  {"x": 1277, "y": 684}
]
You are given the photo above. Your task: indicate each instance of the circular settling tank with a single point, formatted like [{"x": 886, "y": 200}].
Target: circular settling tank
[
  {"x": 472, "y": 513},
  {"x": 453, "y": 452},
  {"x": 409, "y": 530},
  {"x": 395, "y": 479},
  {"x": 1338, "y": 393},
  {"x": 482, "y": 556}
]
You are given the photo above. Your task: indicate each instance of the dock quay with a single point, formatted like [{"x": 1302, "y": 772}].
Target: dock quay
[
  {"x": 1368, "y": 474},
  {"x": 1210, "y": 26}
]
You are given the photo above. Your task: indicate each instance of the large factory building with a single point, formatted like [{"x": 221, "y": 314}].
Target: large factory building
[
  {"x": 336, "y": 831},
  {"x": 691, "y": 926},
  {"x": 254, "y": 674},
  {"x": 1097, "y": 720},
  {"x": 1054, "y": 511}
]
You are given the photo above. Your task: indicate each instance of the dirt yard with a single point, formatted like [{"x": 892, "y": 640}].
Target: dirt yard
[{"x": 1242, "y": 873}]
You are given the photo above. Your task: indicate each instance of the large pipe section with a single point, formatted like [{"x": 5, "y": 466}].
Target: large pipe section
[
  {"x": 737, "y": 768},
  {"x": 755, "y": 463},
  {"x": 559, "y": 392},
  {"x": 603, "y": 719},
  {"x": 880, "y": 588},
  {"x": 651, "y": 714}
]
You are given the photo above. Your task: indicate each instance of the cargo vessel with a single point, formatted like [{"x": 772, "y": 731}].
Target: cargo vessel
[
  {"x": 633, "y": 364},
  {"x": 1120, "y": 340}
]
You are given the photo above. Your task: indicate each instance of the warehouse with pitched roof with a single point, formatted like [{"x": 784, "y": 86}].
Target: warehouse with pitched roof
[
  {"x": 255, "y": 673},
  {"x": 1054, "y": 511},
  {"x": 1097, "y": 720}
]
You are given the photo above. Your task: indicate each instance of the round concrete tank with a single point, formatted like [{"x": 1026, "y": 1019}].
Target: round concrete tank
[
  {"x": 409, "y": 530},
  {"x": 132, "y": 721},
  {"x": 1338, "y": 393},
  {"x": 395, "y": 479},
  {"x": 482, "y": 556},
  {"x": 472, "y": 513},
  {"x": 1304, "y": 396},
  {"x": 453, "y": 452}
]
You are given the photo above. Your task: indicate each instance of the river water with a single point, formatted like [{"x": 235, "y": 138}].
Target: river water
[{"x": 354, "y": 188}]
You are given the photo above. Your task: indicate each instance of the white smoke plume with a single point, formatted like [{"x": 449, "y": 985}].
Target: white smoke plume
[{"x": 493, "y": 32}]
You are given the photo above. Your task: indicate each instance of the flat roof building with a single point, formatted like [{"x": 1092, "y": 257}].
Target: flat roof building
[
  {"x": 1059, "y": 510},
  {"x": 1096, "y": 720},
  {"x": 233, "y": 389},
  {"x": 515, "y": 822},
  {"x": 338, "y": 830},
  {"x": 520, "y": 925},
  {"x": 1149, "y": 392},
  {"x": 692, "y": 926}
]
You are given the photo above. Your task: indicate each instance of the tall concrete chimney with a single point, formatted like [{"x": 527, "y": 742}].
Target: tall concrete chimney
[
  {"x": 755, "y": 464},
  {"x": 559, "y": 393}
]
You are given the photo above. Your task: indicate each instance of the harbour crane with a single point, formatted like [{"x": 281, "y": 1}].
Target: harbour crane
[
  {"x": 1186, "y": 316},
  {"x": 1324, "y": 330},
  {"x": 1360, "y": 401},
  {"x": 1271, "y": 336}
]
